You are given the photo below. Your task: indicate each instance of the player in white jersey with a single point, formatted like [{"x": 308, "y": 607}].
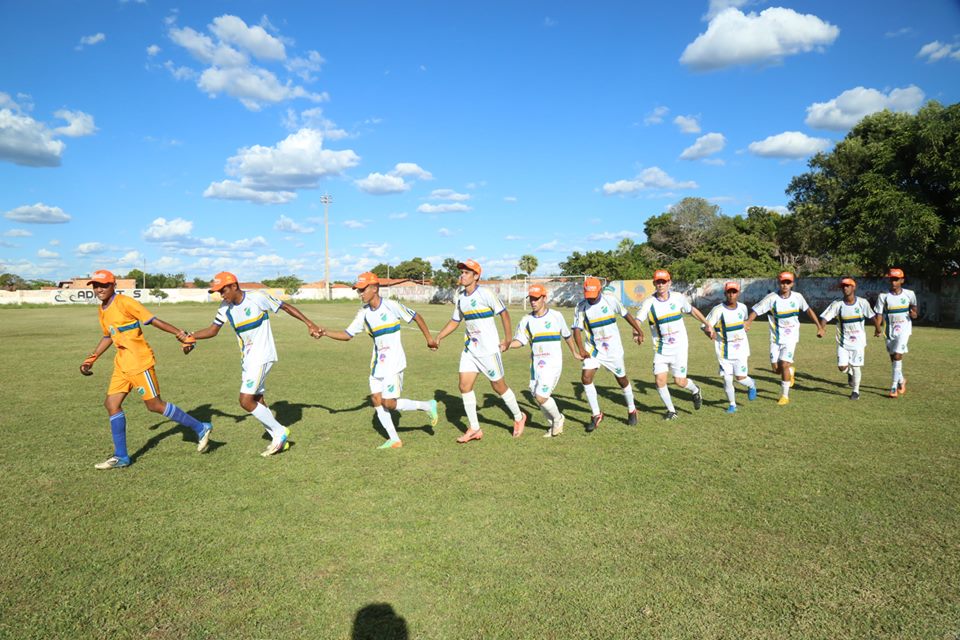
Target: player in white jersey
[
  {"x": 664, "y": 312},
  {"x": 851, "y": 313},
  {"x": 784, "y": 308},
  {"x": 380, "y": 319},
  {"x": 478, "y": 307},
  {"x": 543, "y": 329},
  {"x": 731, "y": 343},
  {"x": 248, "y": 313},
  {"x": 896, "y": 308},
  {"x": 595, "y": 319}
]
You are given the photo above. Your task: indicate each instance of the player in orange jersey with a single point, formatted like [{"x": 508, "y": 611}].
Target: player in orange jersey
[{"x": 122, "y": 319}]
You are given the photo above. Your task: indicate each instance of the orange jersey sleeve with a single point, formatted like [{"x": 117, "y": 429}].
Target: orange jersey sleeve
[{"x": 123, "y": 320}]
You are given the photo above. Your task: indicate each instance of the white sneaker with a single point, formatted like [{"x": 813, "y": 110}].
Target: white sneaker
[
  {"x": 556, "y": 429},
  {"x": 277, "y": 444}
]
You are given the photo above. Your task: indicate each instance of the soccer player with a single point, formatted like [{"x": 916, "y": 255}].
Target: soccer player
[
  {"x": 543, "y": 329},
  {"x": 851, "y": 313},
  {"x": 784, "y": 307},
  {"x": 664, "y": 312},
  {"x": 380, "y": 319},
  {"x": 477, "y": 307},
  {"x": 897, "y": 308},
  {"x": 248, "y": 312},
  {"x": 731, "y": 343},
  {"x": 122, "y": 320},
  {"x": 596, "y": 316}
]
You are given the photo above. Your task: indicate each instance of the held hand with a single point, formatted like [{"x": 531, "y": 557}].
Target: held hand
[
  {"x": 189, "y": 344},
  {"x": 638, "y": 337},
  {"x": 504, "y": 346},
  {"x": 820, "y": 332},
  {"x": 183, "y": 335},
  {"x": 583, "y": 354},
  {"x": 432, "y": 345},
  {"x": 87, "y": 367},
  {"x": 877, "y": 333},
  {"x": 314, "y": 331},
  {"x": 711, "y": 333},
  {"x": 580, "y": 356}
]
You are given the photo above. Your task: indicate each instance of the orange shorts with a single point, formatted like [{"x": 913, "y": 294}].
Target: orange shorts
[{"x": 144, "y": 383}]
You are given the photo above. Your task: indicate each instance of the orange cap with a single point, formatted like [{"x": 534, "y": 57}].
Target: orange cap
[
  {"x": 730, "y": 285},
  {"x": 472, "y": 265},
  {"x": 365, "y": 279},
  {"x": 591, "y": 287},
  {"x": 221, "y": 280},
  {"x": 661, "y": 274},
  {"x": 536, "y": 290},
  {"x": 103, "y": 277},
  {"x": 785, "y": 275},
  {"x": 895, "y": 273},
  {"x": 848, "y": 280}
]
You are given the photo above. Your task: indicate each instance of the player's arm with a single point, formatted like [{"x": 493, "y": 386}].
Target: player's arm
[
  {"x": 637, "y": 328},
  {"x": 296, "y": 313},
  {"x": 342, "y": 336},
  {"x": 87, "y": 367},
  {"x": 431, "y": 343},
  {"x": 578, "y": 340},
  {"x": 914, "y": 312},
  {"x": 505, "y": 320},
  {"x": 750, "y": 318},
  {"x": 877, "y": 325},
  {"x": 206, "y": 332},
  {"x": 447, "y": 330},
  {"x": 813, "y": 316},
  {"x": 576, "y": 349},
  {"x": 822, "y": 328},
  {"x": 169, "y": 328}
]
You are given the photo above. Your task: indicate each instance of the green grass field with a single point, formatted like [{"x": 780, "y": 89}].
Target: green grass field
[{"x": 822, "y": 519}]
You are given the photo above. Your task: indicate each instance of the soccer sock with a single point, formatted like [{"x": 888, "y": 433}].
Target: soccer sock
[
  {"x": 470, "y": 408},
  {"x": 118, "y": 429},
  {"x": 665, "y": 396},
  {"x": 591, "y": 392},
  {"x": 546, "y": 416},
  {"x": 728, "y": 387},
  {"x": 180, "y": 416},
  {"x": 897, "y": 372},
  {"x": 274, "y": 428},
  {"x": 628, "y": 396},
  {"x": 510, "y": 399},
  {"x": 747, "y": 382},
  {"x": 412, "y": 405},
  {"x": 387, "y": 421},
  {"x": 550, "y": 406},
  {"x": 856, "y": 379},
  {"x": 785, "y": 388},
  {"x": 692, "y": 386}
]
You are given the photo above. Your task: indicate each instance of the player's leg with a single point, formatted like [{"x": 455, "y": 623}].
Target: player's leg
[
  {"x": 856, "y": 358},
  {"x": 620, "y": 373},
  {"x": 785, "y": 357},
  {"x": 494, "y": 371},
  {"x": 741, "y": 371},
  {"x": 726, "y": 372},
  {"x": 679, "y": 369},
  {"x": 148, "y": 386},
  {"x": 661, "y": 366},
  {"x": 252, "y": 390},
  {"x": 384, "y": 402},
  {"x": 468, "y": 378},
  {"x": 587, "y": 374},
  {"x": 545, "y": 383},
  {"x": 113, "y": 403}
]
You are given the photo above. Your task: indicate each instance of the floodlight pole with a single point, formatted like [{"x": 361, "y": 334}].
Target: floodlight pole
[{"x": 326, "y": 199}]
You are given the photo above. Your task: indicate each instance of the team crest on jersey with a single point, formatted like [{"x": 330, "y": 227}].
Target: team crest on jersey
[
  {"x": 383, "y": 316},
  {"x": 545, "y": 388},
  {"x": 249, "y": 384},
  {"x": 672, "y": 307},
  {"x": 547, "y": 325},
  {"x": 542, "y": 363},
  {"x": 605, "y": 309},
  {"x": 391, "y": 387},
  {"x": 247, "y": 312},
  {"x": 793, "y": 305},
  {"x": 111, "y": 330},
  {"x": 473, "y": 303},
  {"x": 683, "y": 369},
  {"x": 491, "y": 372},
  {"x": 141, "y": 390},
  {"x": 618, "y": 371}
]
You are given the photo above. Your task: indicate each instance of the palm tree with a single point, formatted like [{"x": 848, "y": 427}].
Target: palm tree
[{"x": 527, "y": 264}]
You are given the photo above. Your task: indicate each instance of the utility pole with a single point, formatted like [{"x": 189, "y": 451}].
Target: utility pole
[{"x": 326, "y": 199}]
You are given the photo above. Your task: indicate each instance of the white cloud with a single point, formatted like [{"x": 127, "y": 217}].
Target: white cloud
[
  {"x": 452, "y": 207},
  {"x": 449, "y": 194},
  {"x": 38, "y": 213},
  {"x": 789, "y": 144},
  {"x": 656, "y": 116},
  {"x": 847, "y": 109},
  {"x": 513, "y": 237},
  {"x": 687, "y": 124},
  {"x": 289, "y": 225},
  {"x": 45, "y": 254},
  {"x": 717, "y": 6},
  {"x": 411, "y": 170},
  {"x": 17, "y": 233},
  {"x": 733, "y": 38},
  {"x": 378, "y": 184},
  {"x": 26, "y": 142},
  {"x": 88, "y": 41},
  {"x": 510, "y": 198},
  {"x": 549, "y": 246},
  {"x": 717, "y": 162},
  {"x": 649, "y": 178},
  {"x": 704, "y": 146},
  {"x": 166, "y": 263},
  {"x": 936, "y": 51},
  {"x": 549, "y": 22},
  {"x": 88, "y": 248},
  {"x": 130, "y": 259},
  {"x": 313, "y": 118},
  {"x": 163, "y": 230},
  {"x": 610, "y": 235},
  {"x": 231, "y": 190},
  {"x": 79, "y": 123},
  {"x": 252, "y": 86},
  {"x": 353, "y": 224},
  {"x": 443, "y": 232},
  {"x": 54, "y": 243},
  {"x": 905, "y": 31},
  {"x": 153, "y": 50},
  {"x": 256, "y": 40},
  {"x": 306, "y": 67},
  {"x": 378, "y": 250}
]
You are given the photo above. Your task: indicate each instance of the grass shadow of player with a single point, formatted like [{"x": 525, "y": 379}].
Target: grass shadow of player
[
  {"x": 379, "y": 621},
  {"x": 457, "y": 417},
  {"x": 290, "y": 413},
  {"x": 397, "y": 418},
  {"x": 186, "y": 435}
]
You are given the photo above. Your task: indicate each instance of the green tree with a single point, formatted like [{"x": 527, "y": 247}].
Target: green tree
[
  {"x": 447, "y": 275},
  {"x": 382, "y": 270},
  {"x": 415, "y": 269},
  {"x": 12, "y": 282},
  {"x": 290, "y": 284},
  {"x": 200, "y": 283},
  {"x": 528, "y": 264}
]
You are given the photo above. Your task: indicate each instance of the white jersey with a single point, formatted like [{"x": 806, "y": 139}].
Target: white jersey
[
  {"x": 851, "y": 318},
  {"x": 383, "y": 325},
  {"x": 479, "y": 309},
  {"x": 895, "y": 308},
  {"x": 731, "y": 340},
  {"x": 545, "y": 335},
  {"x": 251, "y": 320},
  {"x": 598, "y": 321},
  {"x": 784, "y": 316},
  {"x": 666, "y": 320}
]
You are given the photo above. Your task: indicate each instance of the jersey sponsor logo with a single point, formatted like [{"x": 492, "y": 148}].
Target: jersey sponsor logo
[{"x": 541, "y": 363}]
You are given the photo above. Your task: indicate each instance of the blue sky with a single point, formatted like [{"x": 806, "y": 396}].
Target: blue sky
[{"x": 199, "y": 137}]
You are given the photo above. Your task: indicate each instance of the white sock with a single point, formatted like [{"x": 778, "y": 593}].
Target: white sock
[
  {"x": 546, "y": 416},
  {"x": 628, "y": 396},
  {"x": 748, "y": 382},
  {"x": 591, "y": 392},
  {"x": 692, "y": 386},
  {"x": 470, "y": 408},
  {"x": 552, "y": 410},
  {"x": 665, "y": 396},
  {"x": 387, "y": 421},
  {"x": 510, "y": 400},
  {"x": 856, "y": 379},
  {"x": 785, "y": 388},
  {"x": 263, "y": 414},
  {"x": 728, "y": 387},
  {"x": 412, "y": 405},
  {"x": 897, "y": 372}
]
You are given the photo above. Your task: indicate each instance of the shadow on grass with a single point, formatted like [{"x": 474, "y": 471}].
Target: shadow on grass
[
  {"x": 290, "y": 413},
  {"x": 453, "y": 410},
  {"x": 186, "y": 435},
  {"x": 379, "y": 622}
]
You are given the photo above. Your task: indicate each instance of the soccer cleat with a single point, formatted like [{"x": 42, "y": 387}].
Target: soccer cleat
[
  {"x": 549, "y": 433},
  {"x": 392, "y": 443},
  {"x": 204, "y": 443},
  {"x": 278, "y": 444},
  {"x": 471, "y": 434},
  {"x": 434, "y": 415},
  {"x": 697, "y": 400},
  {"x": 902, "y": 387},
  {"x": 519, "y": 424},
  {"x": 557, "y": 427},
  {"x": 784, "y": 400},
  {"x": 632, "y": 418},
  {"x": 114, "y": 462},
  {"x": 732, "y": 408},
  {"x": 670, "y": 415},
  {"x": 893, "y": 393},
  {"x": 595, "y": 422},
  {"x": 793, "y": 375},
  {"x": 855, "y": 395},
  {"x": 752, "y": 393}
]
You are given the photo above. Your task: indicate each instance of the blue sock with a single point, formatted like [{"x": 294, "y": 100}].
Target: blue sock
[
  {"x": 177, "y": 414},
  {"x": 118, "y": 429}
]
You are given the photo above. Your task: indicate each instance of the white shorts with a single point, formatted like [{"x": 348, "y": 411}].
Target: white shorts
[
  {"x": 613, "y": 365},
  {"x": 253, "y": 379},
  {"x": 898, "y": 343},
  {"x": 389, "y": 387},
  {"x": 849, "y": 357},
  {"x": 733, "y": 367},
  {"x": 782, "y": 352},
  {"x": 545, "y": 382},
  {"x": 490, "y": 366},
  {"x": 674, "y": 361}
]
